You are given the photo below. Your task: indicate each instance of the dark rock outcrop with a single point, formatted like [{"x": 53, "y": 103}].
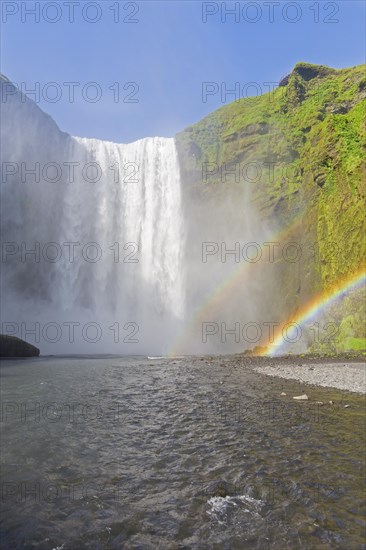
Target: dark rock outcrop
[
  {"x": 284, "y": 80},
  {"x": 308, "y": 71},
  {"x": 11, "y": 346}
]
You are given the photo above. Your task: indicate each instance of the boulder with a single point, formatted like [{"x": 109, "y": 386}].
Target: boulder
[{"x": 11, "y": 346}]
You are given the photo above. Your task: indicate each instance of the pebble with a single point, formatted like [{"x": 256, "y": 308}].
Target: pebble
[{"x": 329, "y": 374}]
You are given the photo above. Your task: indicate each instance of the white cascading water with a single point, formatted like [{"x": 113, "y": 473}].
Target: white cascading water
[
  {"x": 137, "y": 204},
  {"x": 126, "y": 199}
]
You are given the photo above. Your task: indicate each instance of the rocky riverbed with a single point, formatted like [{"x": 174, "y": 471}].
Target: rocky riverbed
[{"x": 343, "y": 373}]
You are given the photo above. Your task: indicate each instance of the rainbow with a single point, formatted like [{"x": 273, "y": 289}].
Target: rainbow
[
  {"x": 315, "y": 306},
  {"x": 226, "y": 288}
]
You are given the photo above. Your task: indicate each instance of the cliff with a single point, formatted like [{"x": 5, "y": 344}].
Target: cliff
[{"x": 301, "y": 150}]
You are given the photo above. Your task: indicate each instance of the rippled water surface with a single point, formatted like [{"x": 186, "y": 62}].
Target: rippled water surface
[{"x": 185, "y": 453}]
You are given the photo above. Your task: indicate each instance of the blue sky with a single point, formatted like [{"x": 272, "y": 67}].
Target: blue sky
[{"x": 167, "y": 54}]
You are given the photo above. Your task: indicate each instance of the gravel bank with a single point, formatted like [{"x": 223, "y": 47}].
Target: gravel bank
[{"x": 347, "y": 376}]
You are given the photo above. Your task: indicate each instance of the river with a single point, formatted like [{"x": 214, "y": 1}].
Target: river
[{"x": 192, "y": 452}]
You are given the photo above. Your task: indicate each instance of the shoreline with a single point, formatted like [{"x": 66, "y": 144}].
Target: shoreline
[
  {"x": 342, "y": 372},
  {"x": 342, "y": 375}
]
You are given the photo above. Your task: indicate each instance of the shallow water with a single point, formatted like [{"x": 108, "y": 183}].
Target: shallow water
[{"x": 193, "y": 452}]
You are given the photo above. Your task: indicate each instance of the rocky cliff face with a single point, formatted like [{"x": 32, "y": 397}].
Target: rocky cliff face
[
  {"x": 32, "y": 146},
  {"x": 29, "y": 125},
  {"x": 300, "y": 149}
]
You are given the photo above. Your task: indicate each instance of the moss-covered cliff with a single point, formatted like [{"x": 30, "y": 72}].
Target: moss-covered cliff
[{"x": 301, "y": 148}]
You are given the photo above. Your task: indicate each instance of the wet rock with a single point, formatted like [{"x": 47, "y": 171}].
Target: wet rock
[{"x": 11, "y": 346}]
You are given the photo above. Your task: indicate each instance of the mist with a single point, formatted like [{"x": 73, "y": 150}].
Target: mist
[{"x": 104, "y": 251}]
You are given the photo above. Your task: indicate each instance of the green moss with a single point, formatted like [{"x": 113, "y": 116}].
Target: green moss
[
  {"x": 354, "y": 344},
  {"x": 309, "y": 139}
]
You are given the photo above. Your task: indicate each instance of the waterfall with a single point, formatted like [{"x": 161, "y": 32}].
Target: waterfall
[
  {"x": 133, "y": 211},
  {"x": 102, "y": 247},
  {"x": 115, "y": 220}
]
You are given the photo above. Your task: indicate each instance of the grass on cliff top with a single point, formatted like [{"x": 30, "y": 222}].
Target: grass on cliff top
[
  {"x": 289, "y": 112},
  {"x": 309, "y": 139}
]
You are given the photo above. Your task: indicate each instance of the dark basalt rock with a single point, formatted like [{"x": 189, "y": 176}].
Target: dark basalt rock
[{"x": 11, "y": 346}]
